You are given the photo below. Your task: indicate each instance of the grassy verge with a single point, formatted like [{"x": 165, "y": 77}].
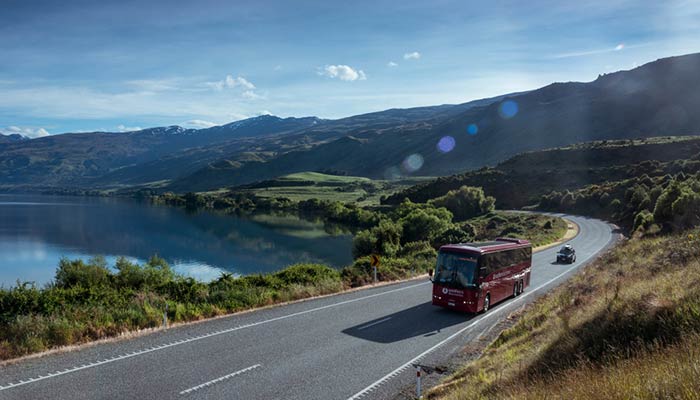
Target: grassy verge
[
  {"x": 627, "y": 326},
  {"x": 89, "y": 300},
  {"x": 539, "y": 229}
]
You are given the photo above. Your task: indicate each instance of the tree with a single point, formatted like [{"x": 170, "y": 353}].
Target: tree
[
  {"x": 663, "y": 211},
  {"x": 424, "y": 224},
  {"x": 454, "y": 234},
  {"x": 384, "y": 239},
  {"x": 466, "y": 202},
  {"x": 643, "y": 220}
]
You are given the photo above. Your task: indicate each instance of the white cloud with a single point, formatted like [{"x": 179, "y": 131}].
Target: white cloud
[
  {"x": 27, "y": 132},
  {"x": 239, "y": 81},
  {"x": 392, "y": 64},
  {"x": 277, "y": 67},
  {"x": 251, "y": 95},
  {"x": 199, "y": 123},
  {"x": 122, "y": 128},
  {"x": 411, "y": 56},
  {"x": 343, "y": 72},
  {"x": 231, "y": 83}
]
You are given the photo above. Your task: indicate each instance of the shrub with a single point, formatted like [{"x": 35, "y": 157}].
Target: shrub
[
  {"x": 383, "y": 239},
  {"x": 454, "y": 234},
  {"x": 155, "y": 273},
  {"x": 77, "y": 273},
  {"x": 466, "y": 202},
  {"x": 306, "y": 274},
  {"x": 644, "y": 219},
  {"x": 417, "y": 250},
  {"x": 422, "y": 224}
]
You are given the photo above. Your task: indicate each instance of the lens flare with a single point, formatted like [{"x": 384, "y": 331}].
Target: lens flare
[
  {"x": 412, "y": 163},
  {"x": 446, "y": 144},
  {"x": 392, "y": 173},
  {"x": 508, "y": 109},
  {"x": 472, "y": 129}
]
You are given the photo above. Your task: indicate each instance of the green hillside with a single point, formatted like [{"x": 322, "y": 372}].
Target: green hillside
[
  {"x": 315, "y": 185},
  {"x": 522, "y": 180}
]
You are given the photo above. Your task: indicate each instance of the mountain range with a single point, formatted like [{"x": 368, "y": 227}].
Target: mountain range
[{"x": 657, "y": 99}]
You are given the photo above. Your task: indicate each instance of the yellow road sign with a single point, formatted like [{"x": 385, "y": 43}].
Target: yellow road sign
[{"x": 374, "y": 260}]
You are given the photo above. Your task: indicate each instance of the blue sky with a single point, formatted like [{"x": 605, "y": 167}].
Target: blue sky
[{"x": 117, "y": 65}]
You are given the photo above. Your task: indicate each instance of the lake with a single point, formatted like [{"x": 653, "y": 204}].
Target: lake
[{"x": 37, "y": 231}]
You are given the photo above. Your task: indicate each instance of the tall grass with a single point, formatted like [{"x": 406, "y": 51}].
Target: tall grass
[{"x": 625, "y": 327}]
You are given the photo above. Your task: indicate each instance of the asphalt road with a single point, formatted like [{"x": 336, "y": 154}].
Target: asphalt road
[{"x": 354, "y": 345}]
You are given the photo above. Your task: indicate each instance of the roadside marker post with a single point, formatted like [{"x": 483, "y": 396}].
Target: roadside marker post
[
  {"x": 428, "y": 370},
  {"x": 165, "y": 317},
  {"x": 374, "y": 261},
  {"x": 418, "y": 388}
]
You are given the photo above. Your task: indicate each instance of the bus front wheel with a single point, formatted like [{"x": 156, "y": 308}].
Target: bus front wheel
[{"x": 487, "y": 303}]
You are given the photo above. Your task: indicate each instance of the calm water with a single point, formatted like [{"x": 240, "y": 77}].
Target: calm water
[{"x": 36, "y": 231}]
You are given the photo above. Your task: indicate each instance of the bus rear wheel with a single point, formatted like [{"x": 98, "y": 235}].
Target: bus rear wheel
[{"x": 521, "y": 287}]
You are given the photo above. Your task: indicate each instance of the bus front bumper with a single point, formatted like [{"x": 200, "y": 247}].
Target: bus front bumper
[{"x": 457, "y": 304}]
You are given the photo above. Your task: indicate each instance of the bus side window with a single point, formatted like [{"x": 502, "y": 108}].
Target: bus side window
[
  {"x": 522, "y": 255},
  {"x": 484, "y": 265},
  {"x": 511, "y": 258}
]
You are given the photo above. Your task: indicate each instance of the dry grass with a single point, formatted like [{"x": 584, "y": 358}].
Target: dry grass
[{"x": 626, "y": 327}]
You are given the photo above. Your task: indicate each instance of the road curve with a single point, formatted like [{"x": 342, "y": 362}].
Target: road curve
[{"x": 352, "y": 345}]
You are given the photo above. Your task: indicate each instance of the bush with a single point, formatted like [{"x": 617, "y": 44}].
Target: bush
[
  {"x": 466, "y": 202},
  {"x": 153, "y": 274},
  {"x": 417, "y": 250},
  {"x": 643, "y": 220},
  {"x": 423, "y": 224},
  {"x": 383, "y": 239},
  {"x": 306, "y": 274},
  {"x": 454, "y": 234},
  {"x": 77, "y": 273}
]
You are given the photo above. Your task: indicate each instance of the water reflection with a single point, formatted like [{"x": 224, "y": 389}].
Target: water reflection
[{"x": 36, "y": 231}]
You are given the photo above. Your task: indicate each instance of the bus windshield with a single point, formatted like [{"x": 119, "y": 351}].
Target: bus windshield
[{"x": 455, "y": 269}]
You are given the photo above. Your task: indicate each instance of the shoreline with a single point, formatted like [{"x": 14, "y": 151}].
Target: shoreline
[{"x": 571, "y": 232}]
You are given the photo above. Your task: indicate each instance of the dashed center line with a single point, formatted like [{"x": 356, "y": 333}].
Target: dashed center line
[
  {"x": 373, "y": 323},
  {"x": 217, "y": 380},
  {"x": 194, "y": 339}
]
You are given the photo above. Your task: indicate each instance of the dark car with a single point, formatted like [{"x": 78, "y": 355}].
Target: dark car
[{"x": 567, "y": 255}]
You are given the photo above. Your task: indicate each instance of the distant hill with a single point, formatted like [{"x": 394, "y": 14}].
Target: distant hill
[
  {"x": 88, "y": 159},
  {"x": 522, "y": 180},
  {"x": 657, "y": 99},
  {"x": 11, "y": 138}
]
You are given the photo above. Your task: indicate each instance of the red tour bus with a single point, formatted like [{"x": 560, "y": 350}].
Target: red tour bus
[{"x": 470, "y": 277}]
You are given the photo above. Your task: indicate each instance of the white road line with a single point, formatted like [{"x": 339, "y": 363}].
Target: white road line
[
  {"x": 201, "y": 337},
  {"x": 373, "y": 323},
  {"x": 217, "y": 380},
  {"x": 489, "y": 315}
]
